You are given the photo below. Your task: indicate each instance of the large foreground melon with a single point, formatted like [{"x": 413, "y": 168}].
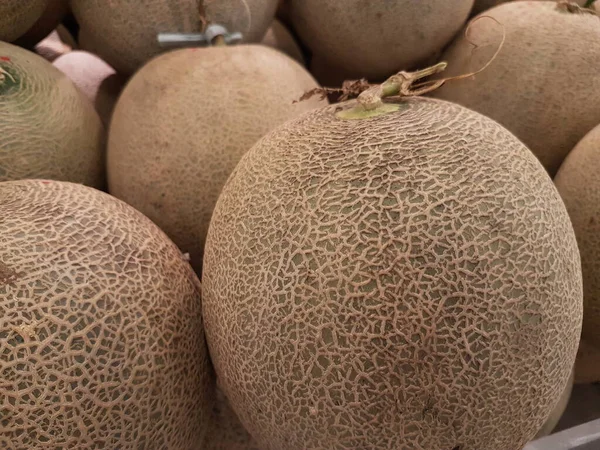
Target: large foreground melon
[
  {"x": 578, "y": 182},
  {"x": 183, "y": 122},
  {"x": 103, "y": 343},
  {"x": 544, "y": 85},
  {"x": 17, "y": 16},
  {"x": 558, "y": 410},
  {"x": 406, "y": 278},
  {"x": 48, "y": 129},
  {"x": 374, "y": 39},
  {"x": 124, "y": 32}
]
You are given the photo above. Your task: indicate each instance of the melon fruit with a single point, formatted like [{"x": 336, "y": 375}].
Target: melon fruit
[
  {"x": 101, "y": 325},
  {"x": 524, "y": 88},
  {"x": 48, "y": 129},
  {"x": 376, "y": 39},
  {"x": 405, "y": 277},
  {"x": 212, "y": 104},
  {"x": 58, "y": 43},
  {"x": 225, "y": 432},
  {"x": 484, "y": 5},
  {"x": 125, "y": 31},
  {"x": 558, "y": 410},
  {"x": 17, "y": 16},
  {"x": 587, "y": 365},
  {"x": 95, "y": 78},
  {"x": 50, "y": 19},
  {"x": 579, "y": 186},
  {"x": 329, "y": 75},
  {"x": 279, "y": 37}
]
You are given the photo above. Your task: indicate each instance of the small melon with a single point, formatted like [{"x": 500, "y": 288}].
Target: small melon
[
  {"x": 95, "y": 78},
  {"x": 58, "y": 43},
  {"x": 374, "y": 39},
  {"x": 544, "y": 85},
  {"x": 558, "y": 410},
  {"x": 401, "y": 278},
  {"x": 210, "y": 106},
  {"x": 102, "y": 335},
  {"x": 51, "y": 18},
  {"x": 279, "y": 37},
  {"x": 48, "y": 129},
  {"x": 125, "y": 31},
  {"x": 17, "y": 16},
  {"x": 578, "y": 182}
]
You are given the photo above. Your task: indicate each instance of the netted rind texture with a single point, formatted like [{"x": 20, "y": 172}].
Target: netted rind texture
[
  {"x": 543, "y": 85},
  {"x": 124, "y": 32},
  {"x": 578, "y": 182},
  {"x": 48, "y": 129},
  {"x": 407, "y": 281},
  {"x": 558, "y": 410},
  {"x": 184, "y": 121},
  {"x": 17, "y": 16},
  {"x": 376, "y": 39},
  {"x": 225, "y": 431},
  {"x": 100, "y": 324}
]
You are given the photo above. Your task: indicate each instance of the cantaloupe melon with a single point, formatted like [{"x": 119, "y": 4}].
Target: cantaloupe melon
[
  {"x": 558, "y": 410},
  {"x": 329, "y": 75},
  {"x": 17, "y": 16},
  {"x": 86, "y": 42},
  {"x": 48, "y": 129},
  {"x": 58, "y": 43},
  {"x": 125, "y": 31},
  {"x": 102, "y": 336},
  {"x": 587, "y": 365},
  {"x": 95, "y": 78},
  {"x": 211, "y": 105},
  {"x": 375, "y": 39},
  {"x": 484, "y": 5},
  {"x": 544, "y": 84},
  {"x": 279, "y": 37},
  {"x": 50, "y": 19},
  {"x": 399, "y": 278},
  {"x": 578, "y": 182}
]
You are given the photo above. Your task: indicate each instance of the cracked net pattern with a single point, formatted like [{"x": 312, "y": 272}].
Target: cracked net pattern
[
  {"x": 408, "y": 281},
  {"x": 101, "y": 336},
  {"x": 124, "y": 31},
  {"x": 17, "y": 16},
  {"x": 48, "y": 129}
]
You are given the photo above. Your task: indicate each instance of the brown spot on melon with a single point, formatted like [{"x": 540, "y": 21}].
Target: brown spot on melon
[
  {"x": 524, "y": 88},
  {"x": 17, "y": 16},
  {"x": 48, "y": 129},
  {"x": 102, "y": 337},
  {"x": 183, "y": 122},
  {"x": 124, "y": 32},
  {"x": 51, "y": 18},
  {"x": 95, "y": 78},
  {"x": 406, "y": 280},
  {"x": 579, "y": 186},
  {"x": 375, "y": 39},
  {"x": 279, "y": 37}
]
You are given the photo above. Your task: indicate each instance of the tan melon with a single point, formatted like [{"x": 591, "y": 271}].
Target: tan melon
[
  {"x": 102, "y": 334},
  {"x": 376, "y": 39},
  {"x": 558, "y": 410},
  {"x": 484, "y": 5},
  {"x": 50, "y": 19},
  {"x": 58, "y": 43},
  {"x": 402, "y": 278},
  {"x": 17, "y": 16},
  {"x": 225, "y": 431},
  {"x": 95, "y": 78},
  {"x": 86, "y": 42},
  {"x": 48, "y": 129},
  {"x": 579, "y": 186},
  {"x": 329, "y": 75},
  {"x": 279, "y": 37},
  {"x": 587, "y": 365},
  {"x": 213, "y": 104},
  {"x": 525, "y": 88},
  {"x": 125, "y": 32}
]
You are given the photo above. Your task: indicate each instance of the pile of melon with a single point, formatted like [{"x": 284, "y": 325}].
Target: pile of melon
[{"x": 297, "y": 224}]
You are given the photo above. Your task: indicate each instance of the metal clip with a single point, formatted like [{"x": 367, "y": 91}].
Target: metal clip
[{"x": 178, "y": 40}]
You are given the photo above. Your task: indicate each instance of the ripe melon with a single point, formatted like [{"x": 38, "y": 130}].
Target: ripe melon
[
  {"x": 558, "y": 410},
  {"x": 402, "y": 278},
  {"x": 48, "y": 129},
  {"x": 95, "y": 78},
  {"x": 484, "y": 5},
  {"x": 579, "y": 186},
  {"x": 329, "y": 75},
  {"x": 211, "y": 105},
  {"x": 102, "y": 335},
  {"x": 525, "y": 88},
  {"x": 58, "y": 43},
  {"x": 17, "y": 16},
  {"x": 376, "y": 39},
  {"x": 279, "y": 37},
  {"x": 125, "y": 31},
  {"x": 50, "y": 19}
]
